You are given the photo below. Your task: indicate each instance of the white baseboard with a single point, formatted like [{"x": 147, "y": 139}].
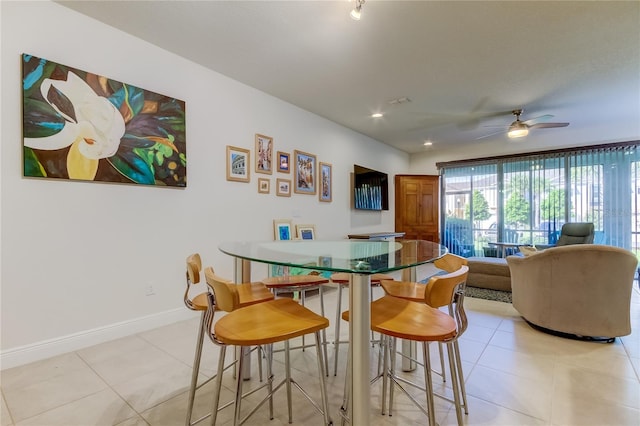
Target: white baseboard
[{"x": 45, "y": 349}]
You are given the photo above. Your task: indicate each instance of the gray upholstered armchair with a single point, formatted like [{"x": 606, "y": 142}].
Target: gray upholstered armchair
[
  {"x": 574, "y": 233},
  {"x": 579, "y": 289}
]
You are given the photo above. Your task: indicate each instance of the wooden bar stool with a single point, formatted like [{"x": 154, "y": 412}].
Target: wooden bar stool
[
  {"x": 416, "y": 292},
  {"x": 418, "y": 321},
  {"x": 261, "y": 324},
  {"x": 343, "y": 280},
  {"x": 302, "y": 284},
  {"x": 249, "y": 294}
]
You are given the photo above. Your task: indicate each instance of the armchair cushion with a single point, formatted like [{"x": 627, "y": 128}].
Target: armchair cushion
[{"x": 581, "y": 289}]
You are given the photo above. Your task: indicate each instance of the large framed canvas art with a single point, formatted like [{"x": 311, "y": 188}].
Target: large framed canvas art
[{"x": 83, "y": 126}]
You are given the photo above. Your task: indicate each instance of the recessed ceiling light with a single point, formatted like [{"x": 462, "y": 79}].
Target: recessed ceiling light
[
  {"x": 376, "y": 115},
  {"x": 428, "y": 143}
]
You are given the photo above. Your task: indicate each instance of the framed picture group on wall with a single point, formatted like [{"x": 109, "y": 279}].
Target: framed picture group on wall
[{"x": 310, "y": 177}]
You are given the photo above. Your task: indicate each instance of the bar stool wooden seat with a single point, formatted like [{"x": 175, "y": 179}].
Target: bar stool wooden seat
[
  {"x": 343, "y": 280},
  {"x": 302, "y": 284},
  {"x": 249, "y": 294},
  {"x": 261, "y": 324},
  {"x": 395, "y": 318}
]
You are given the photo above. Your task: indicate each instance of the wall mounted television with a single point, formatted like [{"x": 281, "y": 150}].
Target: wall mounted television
[{"x": 370, "y": 189}]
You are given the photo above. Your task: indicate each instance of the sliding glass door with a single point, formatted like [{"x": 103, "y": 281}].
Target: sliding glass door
[{"x": 526, "y": 199}]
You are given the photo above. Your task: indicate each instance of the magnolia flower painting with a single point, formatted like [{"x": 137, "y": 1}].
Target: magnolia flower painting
[{"x": 83, "y": 126}]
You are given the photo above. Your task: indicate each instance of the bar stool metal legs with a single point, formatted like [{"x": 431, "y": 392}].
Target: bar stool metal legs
[{"x": 196, "y": 371}]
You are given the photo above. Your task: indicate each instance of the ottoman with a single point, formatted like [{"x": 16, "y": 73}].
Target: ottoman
[{"x": 489, "y": 272}]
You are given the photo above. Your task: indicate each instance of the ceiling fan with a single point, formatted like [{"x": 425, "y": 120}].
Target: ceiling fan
[{"x": 519, "y": 129}]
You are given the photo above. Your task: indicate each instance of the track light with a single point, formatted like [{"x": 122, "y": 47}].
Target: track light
[{"x": 355, "y": 13}]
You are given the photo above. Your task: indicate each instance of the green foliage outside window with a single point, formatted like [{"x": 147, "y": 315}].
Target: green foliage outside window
[
  {"x": 516, "y": 210},
  {"x": 552, "y": 207},
  {"x": 480, "y": 207}
]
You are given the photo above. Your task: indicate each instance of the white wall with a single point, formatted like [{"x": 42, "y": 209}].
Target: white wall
[{"x": 78, "y": 256}]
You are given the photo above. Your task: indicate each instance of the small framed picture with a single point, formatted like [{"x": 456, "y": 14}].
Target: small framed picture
[
  {"x": 264, "y": 185},
  {"x": 283, "y": 162},
  {"x": 325, "y": 182},
  {"x": 238, "y": 164},
  {"x": 305, "y": 170},
  {"x": 325, "y": 261},
  {"x": 282, "y": 229},
  {"x": 283, "y": 187},
  {"x": 306, "y": 232},
  {"x": 264, "y": 154}
]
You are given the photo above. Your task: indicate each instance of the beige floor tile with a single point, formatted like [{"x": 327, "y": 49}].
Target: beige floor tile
[
  {"x": 183, "y": 349},
  {"x": 478, "y": 333},
  {"x": 470, "y": 350},
  {"x": 631, "y": 344},
  {"x": 592, "y": 412},
  {"x": 485, "y": 413},
  {"x": 484, "y": 319},
  {"x": 582, "y": 384},
  {"x": 35, "y": 372},
  {"x": 526, "y": 341},
  {"x": 515, "y": 376},
  {"x": 5, "y": 416},
  {"x": 63, "y": 380},
  {"x": 519, "y": 364},
  {"x": 178, "y": 330},
  {"x": 524, "y": 395},
  {"x": 102, "y": 408},
  {"x": 602, "y": 358},
  {"x": 511, "y": 324},
  {"x": 122, "y": 366},
  {"x": 173, "y": 411},
  {"x": 636, "y": 365},
  {"x": 144, "y": 391},
  {"x": 107, "y": 351},
  {"x": 134, "y": 421}
]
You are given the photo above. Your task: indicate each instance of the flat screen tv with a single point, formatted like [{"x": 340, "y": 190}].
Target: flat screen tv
[{"x": 370, "y": 189}]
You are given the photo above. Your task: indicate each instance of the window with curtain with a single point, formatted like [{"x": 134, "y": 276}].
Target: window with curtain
[{"x": 525, "y": 199}]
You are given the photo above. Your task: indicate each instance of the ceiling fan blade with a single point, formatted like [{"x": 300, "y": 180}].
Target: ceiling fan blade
[
  {"x": 540, "y": 119},
  {"x": 547, "y": 125},
  {"x": 491, "y": 134},
  {"x": 473, "y": 122}
]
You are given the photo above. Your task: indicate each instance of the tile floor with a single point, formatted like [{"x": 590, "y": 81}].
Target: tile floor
[{"x": 515, "y": 376}]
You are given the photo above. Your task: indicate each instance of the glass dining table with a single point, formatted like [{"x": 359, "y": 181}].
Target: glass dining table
[{"x": 360, "y": 258}]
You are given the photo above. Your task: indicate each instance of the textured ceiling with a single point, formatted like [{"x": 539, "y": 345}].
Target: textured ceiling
[{"x": 464, "y": 65}]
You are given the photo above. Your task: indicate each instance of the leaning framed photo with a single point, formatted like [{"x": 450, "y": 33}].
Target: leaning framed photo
[
  {"x": 283, "y": 162},
  {"x": 264, "y": 154},
  {"x": 283, "y": 187},
  {"x": 238, "y": 164},
  {"x": 306, "y": 232},
  {"x": 282, "y": 229},
  {"x": 305, "y": 173},
  {"x": 325, "y": 182},
  {"x": 264, "y": 185}
]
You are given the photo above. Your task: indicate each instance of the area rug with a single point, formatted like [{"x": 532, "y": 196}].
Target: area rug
[{"x": 485, "y": 293}]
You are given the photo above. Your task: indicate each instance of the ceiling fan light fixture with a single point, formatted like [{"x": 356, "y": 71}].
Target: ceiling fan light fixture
[{"x": 518, "y": 130}]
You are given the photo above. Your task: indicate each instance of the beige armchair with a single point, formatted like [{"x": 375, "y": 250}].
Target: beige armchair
[{"x": 582, "y": 289}]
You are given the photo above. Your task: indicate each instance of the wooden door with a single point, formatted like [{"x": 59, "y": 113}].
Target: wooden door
[{"x": 417, "y": 211}]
